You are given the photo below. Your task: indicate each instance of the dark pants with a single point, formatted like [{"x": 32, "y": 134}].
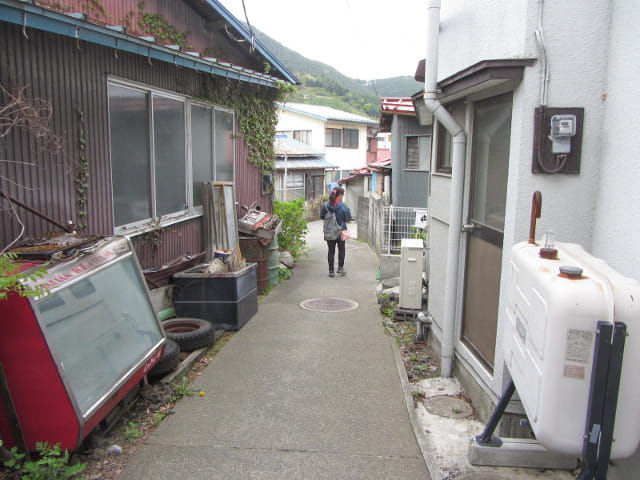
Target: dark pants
[{"x": 332, "y": 253}]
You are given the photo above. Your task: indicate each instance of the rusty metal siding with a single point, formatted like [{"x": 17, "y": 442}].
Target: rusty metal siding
[
  {"x": 178, "y": 14},
  {"x": 73, "y": 77},
  {"x": 248, "y": 181},
  {"x": 177, "y": 240}
]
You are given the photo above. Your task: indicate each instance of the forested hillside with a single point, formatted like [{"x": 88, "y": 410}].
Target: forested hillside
[{"x": 321, "y": 84}]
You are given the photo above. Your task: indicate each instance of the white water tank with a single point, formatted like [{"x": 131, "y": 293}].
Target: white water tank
[
  {"x": 550, "y": 338},
  {"x": 411, "y": 262}
]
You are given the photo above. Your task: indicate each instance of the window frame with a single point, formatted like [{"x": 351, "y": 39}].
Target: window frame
[
  {"x": 406, "y": 152},
  {"x": 351, "y": 133},
  {"x": 191, "y": 211},
  {"x": 333, "y": 137},
  {"x": 443, "y": 137}
]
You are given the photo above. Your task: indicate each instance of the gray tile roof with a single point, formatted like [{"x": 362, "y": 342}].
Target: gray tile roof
[{"x": 327, "y": 113}]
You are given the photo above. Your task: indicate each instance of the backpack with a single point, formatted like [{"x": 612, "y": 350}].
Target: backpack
[{"x": 331, "y": 228}]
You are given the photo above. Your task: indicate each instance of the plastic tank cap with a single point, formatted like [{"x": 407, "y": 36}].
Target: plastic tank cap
[{"x": 571, "y": 271}]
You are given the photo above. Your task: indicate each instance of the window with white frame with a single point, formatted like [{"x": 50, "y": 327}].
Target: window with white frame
[
  {"x": 290, "y": 186},
  {"x": 163, "y": 146},
  {"x": 303, "y": 136},
  {"x": 418, "y": 153}
]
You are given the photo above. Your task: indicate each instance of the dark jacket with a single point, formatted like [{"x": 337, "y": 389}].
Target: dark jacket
[{"x": 343, "y": 214}]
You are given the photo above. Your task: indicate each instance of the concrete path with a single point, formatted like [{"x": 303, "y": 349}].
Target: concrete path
[{"x": 296, "y": 394}]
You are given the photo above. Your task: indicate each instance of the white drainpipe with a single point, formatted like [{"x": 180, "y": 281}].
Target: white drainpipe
[{"x": 457, "y": 185}]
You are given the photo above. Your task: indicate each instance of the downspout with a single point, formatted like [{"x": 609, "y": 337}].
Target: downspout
[{"x": 459, "y": 139}]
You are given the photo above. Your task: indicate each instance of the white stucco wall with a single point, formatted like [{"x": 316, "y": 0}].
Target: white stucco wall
[
  {"x": 616, "y": 226},
  {"x": 498, "y": 23},
  {"x": 348, "y": 158},
  {"x": 616, "y": 221}
]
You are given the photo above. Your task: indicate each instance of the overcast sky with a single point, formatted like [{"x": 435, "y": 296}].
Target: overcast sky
[{"x": 364, "y": 39}]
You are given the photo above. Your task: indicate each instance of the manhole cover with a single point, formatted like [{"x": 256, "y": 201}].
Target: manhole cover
[
  {"x": 446, "y": 406},
  {"x": 329, "y": 304}
]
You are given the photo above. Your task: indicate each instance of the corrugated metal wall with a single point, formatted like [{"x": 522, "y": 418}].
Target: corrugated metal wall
[
  {"x": 176, "y": 241},
  {"x": 248, "y": 182},
  {"x": 177, "y": 14},
  {"x": 73, "y": 77}
]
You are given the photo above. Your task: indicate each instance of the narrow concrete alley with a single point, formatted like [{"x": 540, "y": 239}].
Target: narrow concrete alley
[{"x": 296, "y": 394}]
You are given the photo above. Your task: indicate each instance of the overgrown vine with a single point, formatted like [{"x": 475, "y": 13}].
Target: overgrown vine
[
  {"x": 82, "y": 176},
  {"x": 257, "y": 115},
  {"x": 156, "y": 25}
]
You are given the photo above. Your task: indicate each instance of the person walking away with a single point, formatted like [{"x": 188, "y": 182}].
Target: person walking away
[{"x": 343, "y": 215}]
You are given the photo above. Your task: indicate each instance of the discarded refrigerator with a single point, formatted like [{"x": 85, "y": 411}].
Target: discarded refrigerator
[{"x": 69, "y": 357}]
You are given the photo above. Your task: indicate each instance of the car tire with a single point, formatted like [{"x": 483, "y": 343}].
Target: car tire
[
  {"x": 190, "y": 333},
  {"x": 169, "y": 360}
]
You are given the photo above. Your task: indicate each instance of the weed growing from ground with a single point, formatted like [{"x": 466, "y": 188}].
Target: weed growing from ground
[
  {"x": 132, "y": 432},
  {"x": 284, "y": 273},
  {"x": 157, "y": 419},
  {"x": 184, "y": 389},
  {"x": 51, "y": 465}
]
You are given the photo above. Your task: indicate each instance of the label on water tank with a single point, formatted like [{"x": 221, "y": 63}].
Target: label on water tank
[
  {"x": 579, "y": 344},
  {"x": 573, "y": 371}
]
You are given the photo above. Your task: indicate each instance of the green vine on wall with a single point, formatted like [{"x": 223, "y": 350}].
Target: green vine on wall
[
  {"x": 257, "y": 115},
  {"x": 82, "y": 177},
  {"x": 156, "y": 25}
]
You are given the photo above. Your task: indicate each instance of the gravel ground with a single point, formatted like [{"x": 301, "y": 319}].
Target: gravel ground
[{"x": 420, "y": 360}]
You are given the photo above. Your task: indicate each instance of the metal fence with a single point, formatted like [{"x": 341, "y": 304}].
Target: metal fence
[{"x": 402, "y": 222}]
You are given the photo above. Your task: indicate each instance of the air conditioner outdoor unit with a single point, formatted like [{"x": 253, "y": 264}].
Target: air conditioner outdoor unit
[
  {"x": 411, "y": 262},
  {"x": 557, "y": 309}
]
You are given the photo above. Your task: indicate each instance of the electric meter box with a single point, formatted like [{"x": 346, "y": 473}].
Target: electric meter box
[
  {"x": 550, "y": 337},
  {"x": 411, "y": 262}
]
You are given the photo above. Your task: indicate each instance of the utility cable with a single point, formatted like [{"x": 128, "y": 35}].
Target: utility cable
[{"x": 251, "y": 35}]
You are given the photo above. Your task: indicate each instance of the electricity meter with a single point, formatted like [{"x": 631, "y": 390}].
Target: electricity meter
[{"x": 563, "y": 127}]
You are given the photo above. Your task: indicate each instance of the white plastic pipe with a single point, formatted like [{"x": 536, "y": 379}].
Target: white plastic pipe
[{"x": 457, "y": 185}]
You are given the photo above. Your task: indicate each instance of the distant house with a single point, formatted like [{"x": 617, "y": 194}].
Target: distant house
[
  {"x": 342, "y": 136},
  {"x": 383, "y": 144},
  {"x": 373, "y": 178},
  {"x": 410, "y": 152},
  {"x": 143, "y": 121},
  {"x": 300, "y": 170}
]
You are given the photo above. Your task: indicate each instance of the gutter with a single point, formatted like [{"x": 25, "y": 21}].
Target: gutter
[{"x": 457, "y": 185}]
